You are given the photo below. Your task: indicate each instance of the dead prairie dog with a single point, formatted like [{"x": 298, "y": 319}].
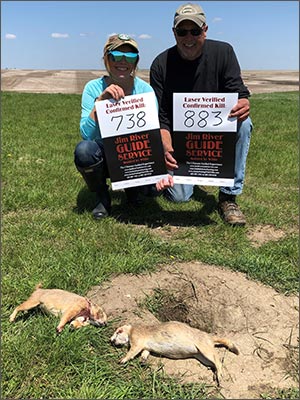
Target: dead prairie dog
[
  {"x": 173, "y": 340},
  {"x": 69, "y": 306}
]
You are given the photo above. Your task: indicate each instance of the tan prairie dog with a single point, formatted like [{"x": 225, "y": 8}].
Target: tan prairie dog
[
  {"x": 174, "y": 340},
  {"x": 70, "y": 307}
]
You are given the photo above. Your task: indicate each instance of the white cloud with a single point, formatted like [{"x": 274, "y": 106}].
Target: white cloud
[
  {"x": 145, "y": 36},
  {"x": 10, "y": 36},
  {"x": 60, "y": 35},
  {"x": 132, "y": 35},
  {"x": 217, "y": 19}
]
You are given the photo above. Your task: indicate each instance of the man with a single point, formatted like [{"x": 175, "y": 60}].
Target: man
[{"x": 197, "y": 64}]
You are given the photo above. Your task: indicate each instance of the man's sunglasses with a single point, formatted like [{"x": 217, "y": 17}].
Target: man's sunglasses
[
  {"x": 184, "y": 32},
  {"x": 118, "y": 55}
]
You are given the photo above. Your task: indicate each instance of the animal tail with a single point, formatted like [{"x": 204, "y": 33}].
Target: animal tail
[
  {"x": 226, "y": 343},
  {"x": 39, "y": 285}
]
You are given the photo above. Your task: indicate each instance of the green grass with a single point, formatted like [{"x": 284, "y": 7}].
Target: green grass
[{"x": 48, "y": 235}]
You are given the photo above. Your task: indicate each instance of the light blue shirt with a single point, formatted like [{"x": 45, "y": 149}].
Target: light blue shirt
[{"x": 89, "y": 129}]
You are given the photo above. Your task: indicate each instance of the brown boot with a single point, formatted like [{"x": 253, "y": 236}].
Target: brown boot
[{"x": 230, "y": 211}]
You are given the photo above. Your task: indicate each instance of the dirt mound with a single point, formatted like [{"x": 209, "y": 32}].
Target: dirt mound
[{"x": 262, "y": 323}]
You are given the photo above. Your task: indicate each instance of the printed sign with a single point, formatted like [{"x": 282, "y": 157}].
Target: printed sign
[
  {"x": 204, "y": 112},
  {"x": 204, "y": 138},
  {"x": 132, "y": 141}
]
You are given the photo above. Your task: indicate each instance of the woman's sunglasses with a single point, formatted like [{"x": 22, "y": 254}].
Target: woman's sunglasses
[
  {"x": 184, "y": 32},
  {"x": 118, "y": 55}
]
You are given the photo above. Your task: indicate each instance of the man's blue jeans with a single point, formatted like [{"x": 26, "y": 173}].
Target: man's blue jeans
[{"x": 182, "y": 192}]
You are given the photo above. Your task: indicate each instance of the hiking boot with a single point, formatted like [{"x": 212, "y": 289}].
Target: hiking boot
[{"x": 230, "y": 211}]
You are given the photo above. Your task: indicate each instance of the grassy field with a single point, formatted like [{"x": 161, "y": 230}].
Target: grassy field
[{"x": 48, "y": 235}]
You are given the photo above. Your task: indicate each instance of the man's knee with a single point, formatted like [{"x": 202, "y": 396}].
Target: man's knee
[{"x": 179, "y": 193}]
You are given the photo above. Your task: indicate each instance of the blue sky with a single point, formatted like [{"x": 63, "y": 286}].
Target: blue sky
[{"x": 71, "y": 34}]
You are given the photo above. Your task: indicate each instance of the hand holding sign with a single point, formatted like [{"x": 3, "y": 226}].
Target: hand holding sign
[
  {"x": 115, "y": 92},
  {"x": 131, "y": 138}
]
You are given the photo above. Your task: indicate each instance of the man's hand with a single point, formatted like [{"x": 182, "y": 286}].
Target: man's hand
[
  {"x": 171, "y": 163},
  {"x": 241, "y": 110}
]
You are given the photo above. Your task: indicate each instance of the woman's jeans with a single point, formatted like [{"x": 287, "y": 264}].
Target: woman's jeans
[
  {"x": 183, "y": 192},
  {"x": 88, "y": 153}
]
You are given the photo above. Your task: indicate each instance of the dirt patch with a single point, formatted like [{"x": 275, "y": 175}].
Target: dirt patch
[
  {"x": 258, "y": 235},
  {"x": 262, "y": 234},
  {"x": 261, "y": 322}
]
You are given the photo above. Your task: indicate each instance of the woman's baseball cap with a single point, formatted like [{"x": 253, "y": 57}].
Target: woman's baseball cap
[
  {"x": 118, "y": 40},
  {"x": 191, "y": 12}
]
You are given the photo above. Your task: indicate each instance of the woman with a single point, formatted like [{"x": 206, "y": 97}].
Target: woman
[{"x": 121, "y": 56}]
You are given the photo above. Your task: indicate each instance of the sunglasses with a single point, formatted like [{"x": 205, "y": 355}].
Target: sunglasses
[
  {"x": 184, "y": 32},
  {"x": 118, "y": 55}
]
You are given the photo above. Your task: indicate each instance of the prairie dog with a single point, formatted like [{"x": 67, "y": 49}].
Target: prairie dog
[
  {"x": 173, "y": 340},
  {"x": 69, "y": 306}
]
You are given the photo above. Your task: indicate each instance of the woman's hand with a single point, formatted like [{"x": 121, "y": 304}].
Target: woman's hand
[
  {"x": 112, "y": 92},
  {"x": 165, "y": 183}
]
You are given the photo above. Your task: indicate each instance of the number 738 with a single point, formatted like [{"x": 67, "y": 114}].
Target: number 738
[{"x": 131, "y": 120}]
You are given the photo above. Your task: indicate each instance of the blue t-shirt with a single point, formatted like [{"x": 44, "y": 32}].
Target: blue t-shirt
[{"x": 89, "y": 129}]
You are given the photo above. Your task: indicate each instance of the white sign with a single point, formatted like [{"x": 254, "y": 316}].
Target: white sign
[
  {"x": 132, "y": 140},
  {"x": 132, "y": 114},
  {"x": 204, "y": 112},
  {"x": 203, "y": 181}
]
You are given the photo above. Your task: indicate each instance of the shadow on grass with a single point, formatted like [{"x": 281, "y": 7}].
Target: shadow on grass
[
  {"x": 154, "y": 211},
  {"x": 29, "y": 314}
]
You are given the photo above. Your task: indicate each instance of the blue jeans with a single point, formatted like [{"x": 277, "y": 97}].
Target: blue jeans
[
  {"x": 181, "y": 192},
  {"x": 88, "y": 153}
]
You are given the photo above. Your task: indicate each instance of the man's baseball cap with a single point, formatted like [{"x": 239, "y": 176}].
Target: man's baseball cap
[
  {"x": 116, "y": 41},
  {"x": 192, "y": 12}
]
